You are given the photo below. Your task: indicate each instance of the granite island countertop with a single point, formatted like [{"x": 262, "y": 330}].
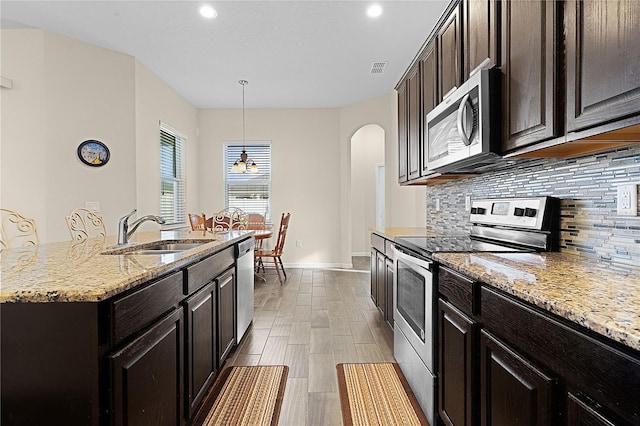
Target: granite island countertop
[
  {"x": 78, "y": 272},
  {"x": 594, "y": 294}
]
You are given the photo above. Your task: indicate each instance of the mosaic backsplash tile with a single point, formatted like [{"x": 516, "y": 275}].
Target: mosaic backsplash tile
[{"x": 586, "y": 186}]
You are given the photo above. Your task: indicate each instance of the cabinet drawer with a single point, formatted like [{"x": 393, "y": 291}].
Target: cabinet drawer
[
  {"x": 207, "y": 269},
  {"x": 137, "y": 310},
  {"x": 460, "y": 291},
  {"x": 377, "y": 242}
]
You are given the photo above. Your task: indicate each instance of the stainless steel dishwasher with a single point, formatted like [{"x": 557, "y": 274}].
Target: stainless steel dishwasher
[{"x": 244, "y": 289}]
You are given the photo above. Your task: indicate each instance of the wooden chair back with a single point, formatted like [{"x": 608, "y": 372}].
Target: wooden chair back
[
  {"x": 256, "y": 221},
  {"x": 17, "y": 231},
  {"x": 282, "y": 234},
  {"x": 200, "y": 223},
  {"x": 84, "y": 223}
]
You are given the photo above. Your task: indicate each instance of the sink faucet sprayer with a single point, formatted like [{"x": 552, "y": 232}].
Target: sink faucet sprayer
[{"x": 123, "y": 226}]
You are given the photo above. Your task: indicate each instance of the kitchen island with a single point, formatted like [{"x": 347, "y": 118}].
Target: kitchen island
[{"x": 106, "y": 339}]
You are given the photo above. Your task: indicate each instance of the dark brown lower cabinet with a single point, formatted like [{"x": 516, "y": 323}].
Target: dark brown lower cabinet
[
  {"x": 513, "y": 390},
  {"x": 580, "y": 413},
  {"x": 226, "y": 302},
  {"x": 147, "y": 376},
  {"x": 457, "y": 364},
  {"x": 389, "y": 272},
  {"x": 201, "y": 342}
]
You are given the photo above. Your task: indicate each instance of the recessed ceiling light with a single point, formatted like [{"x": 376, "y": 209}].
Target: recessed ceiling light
[
  {"x": 208, "y": 12},
  {"x": 374, "y": 11}
]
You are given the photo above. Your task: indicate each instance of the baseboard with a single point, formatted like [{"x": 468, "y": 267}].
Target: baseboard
[{"x": 361, "y": 253}]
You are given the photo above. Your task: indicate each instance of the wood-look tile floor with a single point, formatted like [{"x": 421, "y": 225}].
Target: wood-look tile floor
[{"x": 315, "y": 320}]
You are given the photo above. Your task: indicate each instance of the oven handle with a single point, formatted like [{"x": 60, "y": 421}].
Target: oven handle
[
  {"x": 461, "y": 130},
  {"x": 426, "y": 264}
]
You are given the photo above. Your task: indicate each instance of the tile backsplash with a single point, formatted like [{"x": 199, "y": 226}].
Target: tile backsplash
[{"x": 586, "y": 186}]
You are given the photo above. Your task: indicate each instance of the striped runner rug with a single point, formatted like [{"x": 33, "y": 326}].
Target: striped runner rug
[
  {"x": 377, "y": 394},
  {"x": 245, "y": 395}
]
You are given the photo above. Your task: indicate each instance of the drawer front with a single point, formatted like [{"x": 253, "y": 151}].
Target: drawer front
[
  {"x": 207, "y": 269},
  {"x": 460, "y": 291},
  {"x": 377, "y": 242},
  {"x": 137, "y": 310}
]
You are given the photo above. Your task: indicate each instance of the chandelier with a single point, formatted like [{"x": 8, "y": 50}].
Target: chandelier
[{"x": 242, "y": 164}]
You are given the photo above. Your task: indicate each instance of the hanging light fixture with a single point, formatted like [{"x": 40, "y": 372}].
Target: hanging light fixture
[{"x": 242, "y": 164}]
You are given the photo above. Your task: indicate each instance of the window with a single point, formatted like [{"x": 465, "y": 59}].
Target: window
[
  {"x": 172, "y": 177},
  {"x": 250, "y": 192}
]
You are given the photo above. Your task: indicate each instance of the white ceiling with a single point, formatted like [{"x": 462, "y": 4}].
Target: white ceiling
[{"x": 295, "y": 54}]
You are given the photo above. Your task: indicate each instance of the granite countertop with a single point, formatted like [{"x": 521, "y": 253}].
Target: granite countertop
[
  {"x": 596, "y": 295},
  {"x": 77, "y": 272}
]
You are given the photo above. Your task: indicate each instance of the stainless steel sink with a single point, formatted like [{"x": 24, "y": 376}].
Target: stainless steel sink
[{"x": 156, "y": 247}]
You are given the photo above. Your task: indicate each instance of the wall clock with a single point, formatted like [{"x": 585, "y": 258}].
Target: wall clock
[{"x": 93, "y": 153}]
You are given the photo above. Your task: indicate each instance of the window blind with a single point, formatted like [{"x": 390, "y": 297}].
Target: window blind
[
  {"x": 172, "y": 177},
  {"x": 250, "y": 192}
]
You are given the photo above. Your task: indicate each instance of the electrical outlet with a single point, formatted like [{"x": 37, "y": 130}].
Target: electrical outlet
[
  {"x": 298, "y": 243},
  {"x": 94, "y": 206},
  {"x": 437, "y": 204},
  {"x": 467, "y": 203},
  {"x": 627, "y": 200}
]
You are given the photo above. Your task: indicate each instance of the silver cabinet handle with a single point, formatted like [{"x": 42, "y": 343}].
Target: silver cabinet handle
[{"x": 463, "y": 135}]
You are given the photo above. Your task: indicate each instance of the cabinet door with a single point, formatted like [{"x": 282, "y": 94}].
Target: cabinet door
[
  {"x": 529, "y": 49},
  {"x": 457, "y": 363},
  {"x": 513, "y": 390},
  {"x": 413, "y": 102},
  {"x": 603, "y": 69},
  {"x": 147, "y": 381},
  {"x": 403, "y": 134},
  {"x": 201, "y": 341},
  {"x": 380, "y": 272},
  {"x": 389, "y": 291},
  {"x": 226, "y": 314},
  {"x": 480, "y": 35},
  {"x": 450, "y": 54},
  {"x": 581, "y": 414},
  {"x": 429, "y": 78}
]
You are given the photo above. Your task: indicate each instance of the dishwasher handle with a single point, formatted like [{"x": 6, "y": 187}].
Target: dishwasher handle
[{"x": 245, "y": 246}]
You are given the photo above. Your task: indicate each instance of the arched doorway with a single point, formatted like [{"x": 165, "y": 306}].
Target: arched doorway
[{"x": 367, "y": 186}]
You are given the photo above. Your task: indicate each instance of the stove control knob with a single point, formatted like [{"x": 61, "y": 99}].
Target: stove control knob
[
  {"x": 530, "y": 212},
  {"x": 481, "y": 210},
  {"x": 518, "y": 212},
  {"x": 474, "y": 210}
]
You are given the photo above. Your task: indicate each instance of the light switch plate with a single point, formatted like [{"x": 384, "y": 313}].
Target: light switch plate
[
  {"x": 627, "y": 200},
  {"x": 94, "y": 206},
  {"x": 467, "y": 203}
]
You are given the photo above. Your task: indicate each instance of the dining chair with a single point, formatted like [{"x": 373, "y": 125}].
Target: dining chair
[
  {"x": 230, "y": 219},
  {"x": 200, "y": 223},
  {"x": 85, "y": 223},
  {"x": 276, "y": 252},
  {"x": 256, "y": 221},
  {"x": 17, "y": 231}
]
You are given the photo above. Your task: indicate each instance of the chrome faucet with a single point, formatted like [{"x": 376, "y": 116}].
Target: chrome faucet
[{"x": 123, "y": 226}]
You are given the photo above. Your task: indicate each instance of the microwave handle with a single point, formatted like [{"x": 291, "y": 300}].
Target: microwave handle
[{"x": 463, "y": 135}]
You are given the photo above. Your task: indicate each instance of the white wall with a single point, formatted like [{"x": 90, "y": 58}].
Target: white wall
[
  {"x": 367, "y": 151},
  {"x": 404, "y": 206},
  {"x": 66, "y": 91},
  {"x": 79, "y": 92},
  {"x": 305, "y": 179}
]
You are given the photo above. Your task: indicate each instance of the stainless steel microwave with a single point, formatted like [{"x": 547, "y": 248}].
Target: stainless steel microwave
[{"x": 463, "y": 131}]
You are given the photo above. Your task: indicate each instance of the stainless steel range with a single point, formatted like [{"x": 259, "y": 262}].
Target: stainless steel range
[{"x": 498, "y": 225}]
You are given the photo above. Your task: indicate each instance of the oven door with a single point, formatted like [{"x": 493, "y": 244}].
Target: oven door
[{"x": 413, "y": 304}]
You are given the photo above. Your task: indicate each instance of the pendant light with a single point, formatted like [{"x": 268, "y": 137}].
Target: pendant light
[{"x": 241, "y": 165}]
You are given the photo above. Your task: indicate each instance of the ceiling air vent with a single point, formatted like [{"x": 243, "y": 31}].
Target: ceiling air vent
[{"x": 378, "y": 67}]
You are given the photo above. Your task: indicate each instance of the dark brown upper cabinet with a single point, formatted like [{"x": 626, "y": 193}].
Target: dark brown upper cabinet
[
  {"x": 403, "y": 135},
  {"x": 530, "y": 31},
  {"x": 481, "y": 38},
  {"x": 450, "y": 54},
  {"x": 603, "y": 66},
  {"x": 429, "y": 77},
  {"x": 413, "y": 102}
]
